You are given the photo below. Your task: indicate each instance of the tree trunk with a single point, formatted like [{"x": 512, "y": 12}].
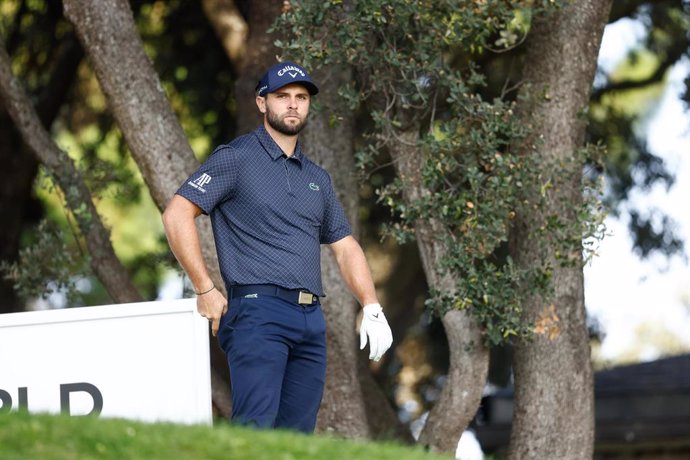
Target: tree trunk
[
  {"x": 104, "y": 261},
  {"x": 344, "y": 409},
  {"x": 154, "y": 136},
  {"x": 230, "y": 27},
  {"x": 469, "y": 358},
  {"x": 260, "y": 55},
  {"x": 554, "y": 410}
]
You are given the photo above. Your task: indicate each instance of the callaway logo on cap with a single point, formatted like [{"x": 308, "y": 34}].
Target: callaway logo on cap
[{"x": 285, "y": 73}]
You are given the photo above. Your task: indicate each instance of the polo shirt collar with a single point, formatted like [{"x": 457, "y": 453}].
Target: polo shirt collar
[{"x": 273, "y": 150}]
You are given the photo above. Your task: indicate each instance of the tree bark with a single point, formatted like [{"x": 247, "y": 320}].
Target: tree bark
[
  {"x": 104, "y": 261},
  {"x": 135, "y": 96},
  {"x": 469, "y": 358},
  {"x": 554, "y": 410}
]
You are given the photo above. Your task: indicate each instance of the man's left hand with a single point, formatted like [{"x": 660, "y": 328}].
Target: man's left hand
[{"x": 375, "y": 328}]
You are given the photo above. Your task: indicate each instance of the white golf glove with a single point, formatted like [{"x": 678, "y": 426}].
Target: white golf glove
[{"x": 376, "y": 329}]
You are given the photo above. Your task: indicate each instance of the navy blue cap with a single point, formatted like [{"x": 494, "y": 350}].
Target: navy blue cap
[{"x": 285, "y": 73}]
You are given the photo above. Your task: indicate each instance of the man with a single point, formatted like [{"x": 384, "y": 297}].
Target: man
[{"x": 271, "y": 208}]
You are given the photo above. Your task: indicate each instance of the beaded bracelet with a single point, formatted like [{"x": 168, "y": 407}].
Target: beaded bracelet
[{"x": 206, "y": 292}]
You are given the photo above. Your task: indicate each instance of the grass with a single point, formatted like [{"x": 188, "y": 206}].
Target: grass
[{"x": 60, "y": 437}]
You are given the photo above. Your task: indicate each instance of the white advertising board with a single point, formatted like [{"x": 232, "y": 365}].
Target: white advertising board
[{"x": 147, "y": 361}]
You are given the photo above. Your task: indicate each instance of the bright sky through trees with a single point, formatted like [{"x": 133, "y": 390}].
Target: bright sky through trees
[{"x": 644, "y": 306}]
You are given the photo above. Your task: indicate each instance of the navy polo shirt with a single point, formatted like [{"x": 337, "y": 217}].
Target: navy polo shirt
[{"x": 269, "y": 213}]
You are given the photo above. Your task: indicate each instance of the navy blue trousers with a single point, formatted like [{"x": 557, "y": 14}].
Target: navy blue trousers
[{"x": 276, "y": 352}]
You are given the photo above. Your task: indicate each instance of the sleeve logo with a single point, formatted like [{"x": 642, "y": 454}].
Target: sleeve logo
[{"x": 200, "y": 182}]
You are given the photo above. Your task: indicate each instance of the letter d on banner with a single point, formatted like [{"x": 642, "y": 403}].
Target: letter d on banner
[{"x": 67, "y": 388}]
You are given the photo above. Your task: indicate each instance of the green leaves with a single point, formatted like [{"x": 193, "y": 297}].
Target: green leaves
[{"x": 48, "y": 266}]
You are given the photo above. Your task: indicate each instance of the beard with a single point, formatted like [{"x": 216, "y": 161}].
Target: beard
[{"x": 275, "y": 122}]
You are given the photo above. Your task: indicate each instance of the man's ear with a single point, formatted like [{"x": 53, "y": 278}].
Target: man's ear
[{"x": 261, "y": 103}]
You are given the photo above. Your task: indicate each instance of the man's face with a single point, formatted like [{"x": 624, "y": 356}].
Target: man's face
[{"x": 286, "y": 109}]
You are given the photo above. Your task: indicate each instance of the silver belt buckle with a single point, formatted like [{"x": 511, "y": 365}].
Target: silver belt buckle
[{"x": 305, "y": 298}]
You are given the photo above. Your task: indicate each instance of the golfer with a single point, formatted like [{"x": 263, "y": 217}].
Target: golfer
[{"x": 271, "y": 208}]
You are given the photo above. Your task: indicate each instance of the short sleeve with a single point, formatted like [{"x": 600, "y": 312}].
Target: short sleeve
[
  {"x": 335, "y": 225},
  {"x": 214, "y": 181}
]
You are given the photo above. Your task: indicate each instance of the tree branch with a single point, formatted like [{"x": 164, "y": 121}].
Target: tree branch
[
  {"x": 672, "y": 56},
  {"x": 626, "y": 8},
  {"x": 104, "y": 261}
]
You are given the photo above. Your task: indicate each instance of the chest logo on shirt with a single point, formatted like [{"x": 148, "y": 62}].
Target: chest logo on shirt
[
  {"x": 200, "y": 182},
  {"x": 313, "y": 186}
]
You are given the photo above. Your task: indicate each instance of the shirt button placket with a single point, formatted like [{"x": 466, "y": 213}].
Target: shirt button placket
[{"x": 287, "y": 176}]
